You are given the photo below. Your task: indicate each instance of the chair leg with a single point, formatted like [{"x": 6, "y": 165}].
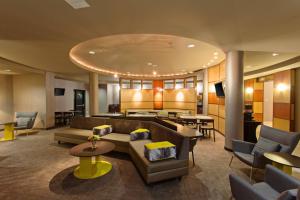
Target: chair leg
[
  {"x": 251, "y": 173},
  {"x": 230, "y": 161},
  {"x": 193, "y": 158}
]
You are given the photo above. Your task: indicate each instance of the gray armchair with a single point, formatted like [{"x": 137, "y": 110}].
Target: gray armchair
[
  {"x": 25, "y": 120},
  {"x": 276, "y": 185},
  {"x": 285, "y": 141}
]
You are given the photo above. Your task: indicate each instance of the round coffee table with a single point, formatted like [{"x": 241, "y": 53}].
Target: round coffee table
[
  {"x": 90, "y": 163},
  {"x": 283, "y": 161}
]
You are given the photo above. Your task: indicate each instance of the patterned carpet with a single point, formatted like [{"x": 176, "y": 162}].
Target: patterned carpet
[{"x": 35, "y": 167}]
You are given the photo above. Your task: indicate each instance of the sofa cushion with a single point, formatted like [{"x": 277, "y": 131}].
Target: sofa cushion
[
  {"x": 265, "y": 190},
  {"x": 247, "y": 158},
  {"x": 156, "y": 151},
  {"x": 75, "y": 133},
  {"x": 102, "y": 130},
  {"x": 137, "y": 152},
  {"x": 117, "y": 138},
  {"x": 140, "y": 134},
  {"x": 288, "y": 195},
  {"x": 265, "y": 145}
]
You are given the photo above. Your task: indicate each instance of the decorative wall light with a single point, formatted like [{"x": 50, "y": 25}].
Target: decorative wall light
[
  {"x": 281, "y": 87},
  {"x": 249, "y": 90},
  {"x": 179, "y": 96}
]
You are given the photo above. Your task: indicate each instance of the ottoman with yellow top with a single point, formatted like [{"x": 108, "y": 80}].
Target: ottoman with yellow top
[
  {"x": 90, "y": 163},
  {"x": 160, "y": 151},
  {"x": 140, "y": 134},
  {"x": 102, "y": 130}
]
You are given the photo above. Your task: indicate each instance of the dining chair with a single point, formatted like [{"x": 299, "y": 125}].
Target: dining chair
[{"x": 206, "y": 126}]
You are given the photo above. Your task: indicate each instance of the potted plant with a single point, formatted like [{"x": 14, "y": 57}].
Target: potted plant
[{"x": 93, "y": 139}]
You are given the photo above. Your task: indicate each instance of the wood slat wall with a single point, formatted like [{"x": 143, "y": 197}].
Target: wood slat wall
[{"x": 216, "y": 106}]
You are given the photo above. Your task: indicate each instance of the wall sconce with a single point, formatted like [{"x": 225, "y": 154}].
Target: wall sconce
[
  {"x": 159, "y": 89},
  {"x": 180, "y": 96},
  {"x": 249, "y": 90},
  {"x": 281, "y": 87}
]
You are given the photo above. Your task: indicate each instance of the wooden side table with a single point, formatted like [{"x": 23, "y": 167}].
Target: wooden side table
[
  {"x": 283, "y": 161},
  {"x": 90, "y": 163},
  {"x": 9, "y": 128}
]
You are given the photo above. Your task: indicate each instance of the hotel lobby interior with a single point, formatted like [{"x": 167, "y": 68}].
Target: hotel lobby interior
[{"x": 149, "y": 99}]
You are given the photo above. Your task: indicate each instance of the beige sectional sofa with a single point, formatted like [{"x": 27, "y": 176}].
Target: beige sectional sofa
[{"x": 81, "y": 129}]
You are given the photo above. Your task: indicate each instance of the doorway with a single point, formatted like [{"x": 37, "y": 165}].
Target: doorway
[
  {"x": 268, "y": 103},
  {"x": 79, "y": 103}
]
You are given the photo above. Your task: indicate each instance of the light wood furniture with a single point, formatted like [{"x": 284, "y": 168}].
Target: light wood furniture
[{"x": 8, "y": 131}]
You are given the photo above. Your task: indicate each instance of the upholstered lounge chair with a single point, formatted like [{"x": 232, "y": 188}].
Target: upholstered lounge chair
[
  {"x": 287, "y": 142},
  {"x": 276, "y": 185},
  {"x": 25, "y": 120}
]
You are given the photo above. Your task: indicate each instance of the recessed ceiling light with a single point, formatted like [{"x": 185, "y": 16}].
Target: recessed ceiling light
[
  {"x": 77, "y": 4},
  {"x": 208, "y": 63},
  {"x": 215, "y": 57},
  {"x": 275, "y": 54},
  {"x": 154, "y": 65},
  {"x": 191, "y": 72},
  {"x": 116, "y": 75},
  {"x": 216, "y": 53},
  {"x": 154, "y": 73},
  {"x": 92, "y": 52},
  {"x": 204, "y": 66},
  {"x": 191, "y": 46},
  {"x": 212, "y": 61},
  {"x": 149, "y": 63},
  {"x": 7, "y": 70}
]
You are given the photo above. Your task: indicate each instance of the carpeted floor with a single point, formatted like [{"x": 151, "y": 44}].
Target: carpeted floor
[{"x": 36, "y": 167}]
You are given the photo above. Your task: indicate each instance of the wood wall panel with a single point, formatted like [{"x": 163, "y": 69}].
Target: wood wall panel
[
  {"x": 158, "y": 94},
  {"x": 221, "y": 125},
  {"x": 258, "y": 117},
  {"x": 281, "y": 124},
  {"x": 128, "y": 95},
  {"x": 222, "y": 71},
  {"x": 214, "y": 74},
  {"x": 257, "y": 107},
  {"x": 222, "y": 111},
  {"x": 212, "y": 98},
  {"x": 216, "y": 119},
  {"x": 282, "y": 110},
  {"x": 187, "y": 95},
  {"x": 213, "y": 109},
  {"x": 258, "y": 95}
]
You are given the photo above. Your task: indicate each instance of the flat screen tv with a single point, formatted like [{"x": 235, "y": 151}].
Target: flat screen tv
[
  {"x": 219, "y": 89},
  {"x": 59, "y": 91}
]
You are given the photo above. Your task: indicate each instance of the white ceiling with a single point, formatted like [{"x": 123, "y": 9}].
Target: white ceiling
[{"x": 40, "y": 34}]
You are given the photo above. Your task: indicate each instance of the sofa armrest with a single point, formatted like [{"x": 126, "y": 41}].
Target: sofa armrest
[
  {"x": 279, "y": 180},
  {"x": 241, "y": 189},
  {"x": 242, "y": 146}
]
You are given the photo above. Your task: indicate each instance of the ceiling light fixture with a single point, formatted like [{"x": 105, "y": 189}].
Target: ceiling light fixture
[
  {"x": 92, "y": 52},
  {"x": 116, "y": 75},
  {"x": 154, "y": 73},
  {"x": 149, "y": 63},
  {"x": 275, "y": 54},
  {"x": 215, "y": 57},
  {"x": 7, "y": 70},
  {"x": 77, "y": 4},
  {"x": 191, "y": 46},
  {"x": 216, "y": 53},
  {"x": 154, "y": 65}
]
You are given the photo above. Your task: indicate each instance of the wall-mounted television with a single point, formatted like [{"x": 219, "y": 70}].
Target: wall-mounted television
[
  {"x": 219, "y": 89},
  {"x": 59, "y": 91}
]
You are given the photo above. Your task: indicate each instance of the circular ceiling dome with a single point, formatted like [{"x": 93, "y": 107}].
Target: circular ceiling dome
[{"x": 148, "y": 55}]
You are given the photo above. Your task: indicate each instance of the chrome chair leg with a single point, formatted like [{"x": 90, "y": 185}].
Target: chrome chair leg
[{"x": 193, "y": 159}]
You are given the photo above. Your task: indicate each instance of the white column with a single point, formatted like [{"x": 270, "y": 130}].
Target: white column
[
  {"x": 94, "y": 93},
  {"x": 234, "y": 98}
]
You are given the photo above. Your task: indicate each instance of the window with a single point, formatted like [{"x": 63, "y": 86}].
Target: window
[
  {"x": 125, "y": 84},
  {"x": 137, "y": 84},
  {"x": 169, "y": 84},
  {"x": 179, "y": 83},
  {"x": 189, "y": 82},
  {"x": 147, "y": 84}
]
